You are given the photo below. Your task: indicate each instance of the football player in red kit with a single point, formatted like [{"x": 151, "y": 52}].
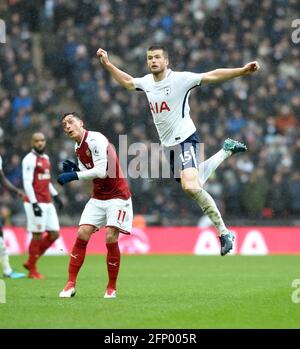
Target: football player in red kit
[
  {"x": 40, "y": 211},
  {"x": 109, "y": 206}
]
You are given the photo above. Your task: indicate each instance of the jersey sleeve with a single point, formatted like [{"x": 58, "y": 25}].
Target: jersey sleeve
[
  {"x": 52, "y": 189},
  {"x": 98, "y": 150},
  {"x": 28, "y": 167},
  {"x": 189, "y": 80},
  {"x": 139, "y": 83},
  {"x": 98, "y": 147}
]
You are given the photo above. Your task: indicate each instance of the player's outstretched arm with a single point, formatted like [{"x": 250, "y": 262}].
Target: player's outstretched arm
[
  {"x": 121, "y": 77},
  {"x": 220, "y": 75}
]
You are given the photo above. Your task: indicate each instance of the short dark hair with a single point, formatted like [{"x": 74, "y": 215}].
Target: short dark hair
[
  {"x": 159, "y": 47},
  {"x": 73, "y": 113}
]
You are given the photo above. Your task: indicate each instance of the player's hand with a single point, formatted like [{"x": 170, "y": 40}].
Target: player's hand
[
  {"x": 251, "y": 67},
  {"x": 66, "y": 177},
  {"x": 70, "y": 166},
  {"x": 37, "y": 210},
  {"x": 103, "y": 56},
  {"x": 21, "y": 194},
  {"x": 58, "y": 202}
]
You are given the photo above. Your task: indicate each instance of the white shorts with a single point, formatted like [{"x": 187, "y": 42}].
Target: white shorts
[
  {"x": 47, "y": 222},
  {"x": 110, "y": 213}
]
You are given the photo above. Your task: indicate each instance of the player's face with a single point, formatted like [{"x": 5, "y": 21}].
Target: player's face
[
  {"x": 157, "y": 61},
  {"x": 73, "y": 127},
  {"x": 38, "y": 142}
]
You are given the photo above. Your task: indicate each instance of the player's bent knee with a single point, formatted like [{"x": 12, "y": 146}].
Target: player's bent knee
[
  {"x": 110, "y": 239},
  {"x": 191, "y": 192},
  {"x": 112, "y": 235},
  {"x": 54, "y": 235},
  {"x": 85, "y": 232},
  {"x": 190, "y": 181},
  {"x": 37, "y": 236},
  {"x": 190, "y": 186}
]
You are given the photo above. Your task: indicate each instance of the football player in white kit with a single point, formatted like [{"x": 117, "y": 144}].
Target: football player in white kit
[
  {"x": 4, "y": 259},
  {"x": 167, "y": 92}
]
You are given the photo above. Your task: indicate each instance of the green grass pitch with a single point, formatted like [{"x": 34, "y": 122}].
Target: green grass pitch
[{"x": 158, "y": 292}]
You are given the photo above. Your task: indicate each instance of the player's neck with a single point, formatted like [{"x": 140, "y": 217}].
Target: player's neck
[
  {"x": 160, "y": 76},
  {"x": 80, "y": 137},
  {"x": 38, "y": 152}
]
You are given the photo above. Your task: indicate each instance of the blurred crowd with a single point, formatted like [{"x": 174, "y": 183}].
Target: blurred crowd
[{"x": 48, "y": 66}]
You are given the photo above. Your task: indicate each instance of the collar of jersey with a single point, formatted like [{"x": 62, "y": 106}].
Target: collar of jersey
[
  {"x": 37, "y": 154},
  {"x": 169, "y": 71},
  {"x": 83, "y": 138}
]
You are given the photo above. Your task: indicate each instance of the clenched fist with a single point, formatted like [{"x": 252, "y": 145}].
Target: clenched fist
[
  {"x": 103, "y": 57},
  {"x": 251, "y": 67}
]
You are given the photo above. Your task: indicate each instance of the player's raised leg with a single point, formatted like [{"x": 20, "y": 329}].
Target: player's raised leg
[
  {"x": 190, "y": 184},
  {"x": 207, "y": 167},
  {"x": 77, "y": 257}
]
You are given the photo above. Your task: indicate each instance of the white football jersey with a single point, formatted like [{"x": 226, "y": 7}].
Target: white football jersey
[{"x": 168, "y": 100}]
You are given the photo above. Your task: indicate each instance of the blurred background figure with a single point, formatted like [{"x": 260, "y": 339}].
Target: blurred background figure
[
  {"x": 4, "y": 259},
  {"x": 40, "y": 212}
]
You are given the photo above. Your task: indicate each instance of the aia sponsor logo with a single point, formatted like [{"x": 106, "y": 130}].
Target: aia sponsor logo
[{"x": 157, "y": 108}]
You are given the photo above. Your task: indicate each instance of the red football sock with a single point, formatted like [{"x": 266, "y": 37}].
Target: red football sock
[
  {"x": 46, "y": 242},
  {"x": 77, "y": 259},
  {"x": 113, "y": 263},
  {"x": 34, "y": 253}
]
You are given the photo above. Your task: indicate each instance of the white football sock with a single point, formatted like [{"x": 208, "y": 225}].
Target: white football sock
[
  {"x": 207, "y": 167},
  {"x": 209, "y": 207},
  {"x": 4, "y": 260}
]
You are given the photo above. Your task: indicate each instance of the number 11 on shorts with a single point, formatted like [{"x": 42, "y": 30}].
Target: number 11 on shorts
[{"x": 121, "y": 216}]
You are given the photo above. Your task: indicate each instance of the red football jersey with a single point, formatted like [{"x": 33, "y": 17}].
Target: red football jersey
[
  {"x": 95, "y": 147},
  {"x": 36, "y": 171}
]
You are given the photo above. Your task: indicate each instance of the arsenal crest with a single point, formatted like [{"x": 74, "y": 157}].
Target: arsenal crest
[{"x": 167, "y": 91}]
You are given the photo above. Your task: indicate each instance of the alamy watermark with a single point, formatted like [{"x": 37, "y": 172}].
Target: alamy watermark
[
  {"x": 296, "y": 32},
  {"x": 2, "y": 292},
  {"x": 151, "y": 160},
  {"x": 2, "y": 32},
  {"x": 296, "y": 292}
]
